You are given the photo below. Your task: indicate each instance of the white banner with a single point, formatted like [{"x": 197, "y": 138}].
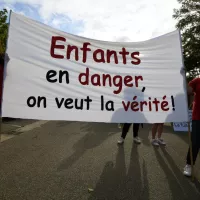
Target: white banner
[
  {"x": 183, "y": 126},
  {"x": 53, "y": 75}
]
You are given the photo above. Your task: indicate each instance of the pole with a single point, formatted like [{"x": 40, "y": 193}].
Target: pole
[{"x": 5, "y": 65}]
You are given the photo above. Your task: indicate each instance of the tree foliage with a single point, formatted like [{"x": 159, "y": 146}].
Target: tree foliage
[
  {"x": 3, "y": 30},
  {"x": 188, "y": 16}
]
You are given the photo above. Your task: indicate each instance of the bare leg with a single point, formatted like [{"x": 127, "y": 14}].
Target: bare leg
[
  {"x": 160, "y": 130},
  {"x": 154, "y": 130}
]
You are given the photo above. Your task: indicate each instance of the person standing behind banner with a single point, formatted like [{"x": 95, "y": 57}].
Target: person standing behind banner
[
  {"x": 125, "y": 130},
  {"x": 194, "y": 88},
  {"x": 157, "y": 128}
]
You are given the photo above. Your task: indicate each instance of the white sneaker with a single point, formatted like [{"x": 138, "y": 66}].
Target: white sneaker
[
  {"x": 154, "y": 142},
  {"x": 121, "y": 141},
  {"x": 187, "y": 170},
  {"x": 137, "y": 140},
  {"x": 161, "y": 141}
]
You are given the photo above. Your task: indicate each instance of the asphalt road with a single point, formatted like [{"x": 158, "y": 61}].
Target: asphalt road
[{"x": 62, "y": 160}]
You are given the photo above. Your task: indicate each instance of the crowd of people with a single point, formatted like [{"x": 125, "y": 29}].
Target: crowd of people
[{"x": 157, "y": 129}]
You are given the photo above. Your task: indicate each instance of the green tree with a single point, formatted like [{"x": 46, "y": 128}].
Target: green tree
[
  {"x": 3, "y": 30},
  {"x": 188, "y": 16}
]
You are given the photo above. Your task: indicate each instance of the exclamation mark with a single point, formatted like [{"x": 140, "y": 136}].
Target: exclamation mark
[{"x": 173, "y": 105}]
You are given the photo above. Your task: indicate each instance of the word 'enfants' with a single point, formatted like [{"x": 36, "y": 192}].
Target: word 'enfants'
[{"x": 99, "y": 55}]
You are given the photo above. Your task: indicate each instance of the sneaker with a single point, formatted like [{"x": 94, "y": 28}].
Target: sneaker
[
  {"x": 187, "y": 170},
  {"x": 154, "y": 142},
  {"x": 161, "y": 141},
  {"x": 121, "y": 141},
  {"x": 137, "y": 140}
]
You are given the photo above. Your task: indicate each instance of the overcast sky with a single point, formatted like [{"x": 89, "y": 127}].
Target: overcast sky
[{"x": 111, "y": 20}]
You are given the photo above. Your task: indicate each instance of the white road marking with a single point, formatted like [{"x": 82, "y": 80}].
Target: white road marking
[
  {"x": 13, "y": 125},
  {"x": 31, "y": 126},
  {"x": 23, "y": 129}
]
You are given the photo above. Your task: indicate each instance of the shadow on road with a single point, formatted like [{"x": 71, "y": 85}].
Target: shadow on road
[
  {"x": 65, "y": 123},
  {"x": 180, "y": 186},
  {"x": 116, "y": 184},
  {"x": 96, "y": 134}
]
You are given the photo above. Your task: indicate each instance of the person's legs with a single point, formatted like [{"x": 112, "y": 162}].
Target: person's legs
[
  {"x": 195, "y": 139},
  {"x": 125, "y": 130},
  {"x": 135, "y": 130},
  {"x": 195, "y": 151},
  {"x": 160, "y": 131},
  {"x": 135, "y": 133},
  {"x": 154, "y": 131}
]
